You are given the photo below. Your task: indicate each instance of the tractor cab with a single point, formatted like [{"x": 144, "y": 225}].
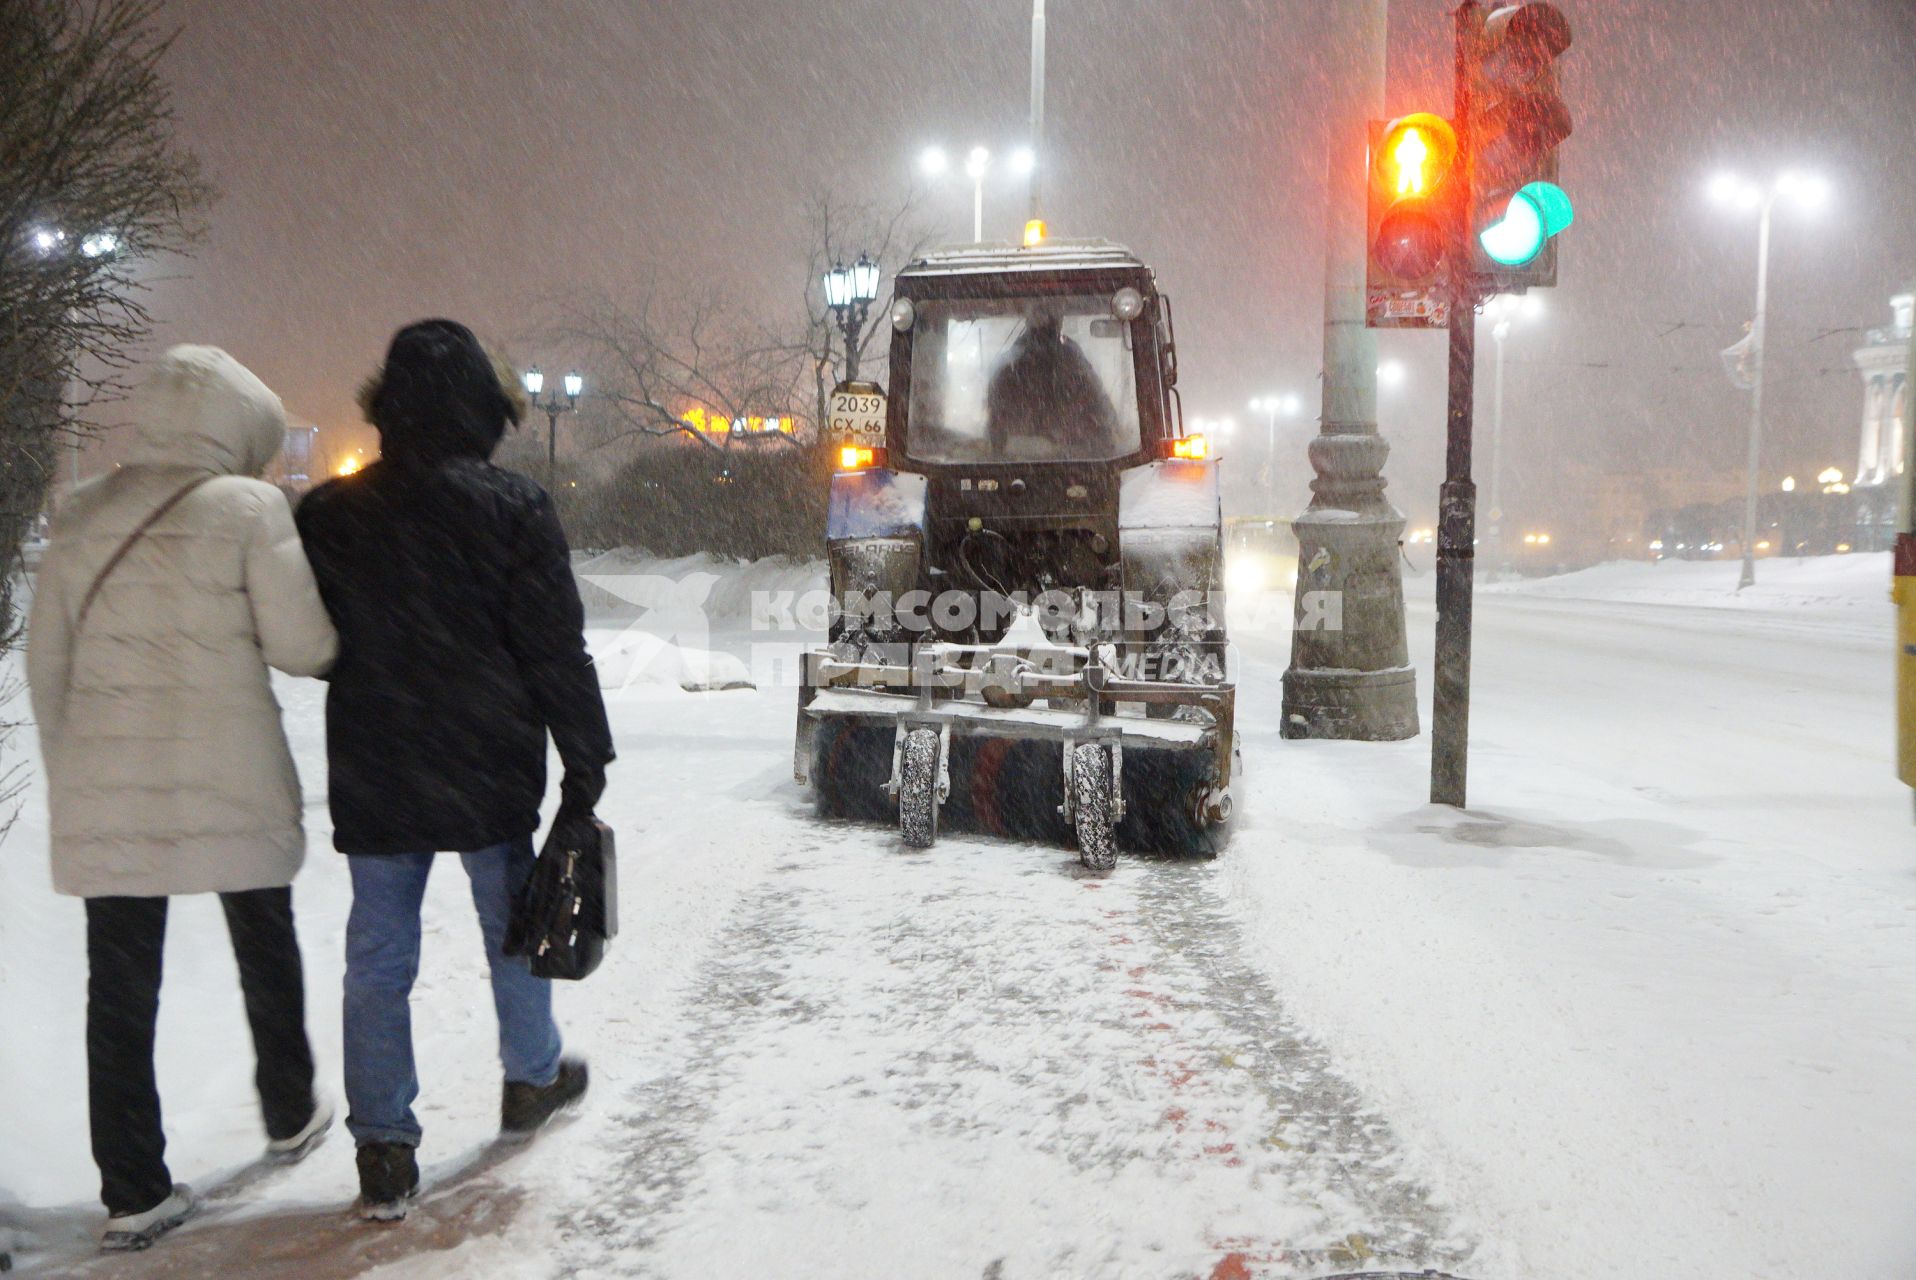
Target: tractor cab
[{"x": 1023, "y": 383}]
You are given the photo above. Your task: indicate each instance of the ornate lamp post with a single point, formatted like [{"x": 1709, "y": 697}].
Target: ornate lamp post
[
  {"x": 553, "y": 406},
  {"x": 849, "y": 292}
]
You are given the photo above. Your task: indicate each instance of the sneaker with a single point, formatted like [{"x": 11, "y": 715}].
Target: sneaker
[
  {"x": 126, "y": 1232},
  {"x": 296, "y": 1148},
  {"x": 525, "y": 1108},
  {"x": 388, "y": 1179}
]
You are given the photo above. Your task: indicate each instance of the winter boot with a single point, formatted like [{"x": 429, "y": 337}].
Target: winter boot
[
  {"x": 525, "y": 1108},
  {"x": 292, "y": 1150},
  {"x": 126, "y": 1232},
  {"x": 388, "y": 1179}
]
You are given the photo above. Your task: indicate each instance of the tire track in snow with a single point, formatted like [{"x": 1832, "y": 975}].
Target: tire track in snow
[{"x": 974, "y": 1061}]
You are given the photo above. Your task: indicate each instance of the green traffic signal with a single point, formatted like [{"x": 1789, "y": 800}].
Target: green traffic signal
[
  {"x": 1553, "y": 202},
  {"x": 1538, "y": 211}
]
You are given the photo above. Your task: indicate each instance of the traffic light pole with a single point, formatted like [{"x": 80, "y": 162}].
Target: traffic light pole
[
  {"x": 1903, "y": 592},
  {"x": 1350, "y": 675},
  {"x": 1457, "y": 502}
]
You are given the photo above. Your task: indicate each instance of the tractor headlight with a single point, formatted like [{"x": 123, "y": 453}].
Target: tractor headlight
[
  {"x": 1127, "y": 303},
  {"x": 902, "y": 314}
]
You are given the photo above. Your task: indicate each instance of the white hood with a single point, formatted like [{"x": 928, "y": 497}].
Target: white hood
[{"x": 201, "y": 408}]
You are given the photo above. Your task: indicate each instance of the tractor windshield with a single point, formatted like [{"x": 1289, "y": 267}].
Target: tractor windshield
[{"x": 1021, "y": 380}]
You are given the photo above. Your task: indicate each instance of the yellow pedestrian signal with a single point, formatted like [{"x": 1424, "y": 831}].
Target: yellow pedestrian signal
[
  {"x": 1410, "y": 155},
  {"x": 1411, "y": 205}
]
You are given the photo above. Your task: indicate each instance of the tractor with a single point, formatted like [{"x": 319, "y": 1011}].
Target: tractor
[{"x": 1027, "y": 624}]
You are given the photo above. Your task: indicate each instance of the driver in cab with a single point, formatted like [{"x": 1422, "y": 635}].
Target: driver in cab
[{"x": 1045, "y": 390}]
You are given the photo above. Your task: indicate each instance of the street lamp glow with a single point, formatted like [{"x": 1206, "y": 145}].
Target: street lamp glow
[
  {"x": 1023, "y": 161},
  {"x": 99, "y": 244},
  {"x": 1808, "y": 190},
  {"x": 535, "y": 381},
  {"x": 864, "y": 279},
  {"x": 574, "y": 384},
  {"x": 1391, "y": 373},
  {"x": 1789, "y": 484},
  {"x": 933, "y": 161},
  {"x": 976, "y": 163},
  {"x": 1733, "y": 191},
  {"x": 838, "y": 286},
  {"x": 1290, "y": 405},
  {"x": 47, "y": 239}
]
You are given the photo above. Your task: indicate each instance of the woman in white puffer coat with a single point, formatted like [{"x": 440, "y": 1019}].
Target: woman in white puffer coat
[{"x": 167, "y": 589}]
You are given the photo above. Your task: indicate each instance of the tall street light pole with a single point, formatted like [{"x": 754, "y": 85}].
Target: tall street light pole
[
  {"x": 552, "y": 407},
  {"x": 976, "y": 166},
  {"x": 848, "y": 293},
  {"x": 1729, "y": 189},
  {"x": 933, "y": 162},
  {"x": 1501, "y": 310},
  {"x": 1270, "y": 407},
  {"x": 1036, "y": 142}
]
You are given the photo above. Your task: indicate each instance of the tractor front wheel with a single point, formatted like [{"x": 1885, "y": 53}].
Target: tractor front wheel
[
  {"x": 918, "y": 788},
  {"x": 1093, "y": 802}
]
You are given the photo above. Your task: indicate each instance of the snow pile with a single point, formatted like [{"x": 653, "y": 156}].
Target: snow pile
[
  {"x": 1809, "y": 583},
  {"x": 627, "y": 584},
  {"x": 657, "y": 623}
]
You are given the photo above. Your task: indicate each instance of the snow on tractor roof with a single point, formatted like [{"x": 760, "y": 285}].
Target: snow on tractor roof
[{"x": 993, "y": 258}]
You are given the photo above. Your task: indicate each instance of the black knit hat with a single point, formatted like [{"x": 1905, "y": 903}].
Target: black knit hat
[{"x": 438, "y": 396}]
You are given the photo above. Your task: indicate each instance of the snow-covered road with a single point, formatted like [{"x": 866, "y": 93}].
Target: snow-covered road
[{"x": 1643, "y": 1011}]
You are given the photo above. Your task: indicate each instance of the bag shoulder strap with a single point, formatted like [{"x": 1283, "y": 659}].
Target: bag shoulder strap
[{"x": 158, "y": 514}]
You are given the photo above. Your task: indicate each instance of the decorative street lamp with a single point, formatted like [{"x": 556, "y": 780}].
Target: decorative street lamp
[
  {"x": 849, "y": 292},
  {"x": 1728, "y": 189},
  {"x": 552, "y": 407}
]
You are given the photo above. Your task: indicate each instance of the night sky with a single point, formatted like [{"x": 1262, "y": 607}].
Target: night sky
[{"x": 384, "y": 160}]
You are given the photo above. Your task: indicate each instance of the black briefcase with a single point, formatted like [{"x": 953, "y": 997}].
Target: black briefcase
[{"x": 568, "y": 909}]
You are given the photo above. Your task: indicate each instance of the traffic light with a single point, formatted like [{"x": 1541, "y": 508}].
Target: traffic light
[
  {"x": 1515, "y": 124},
  {"x": 1411, "y": 208}
]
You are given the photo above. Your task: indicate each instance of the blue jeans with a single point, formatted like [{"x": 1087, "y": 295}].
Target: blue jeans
[{"x": 382, "y": 959}]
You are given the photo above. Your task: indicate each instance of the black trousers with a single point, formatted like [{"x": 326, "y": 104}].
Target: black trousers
[{"x": 125, "y": 939}]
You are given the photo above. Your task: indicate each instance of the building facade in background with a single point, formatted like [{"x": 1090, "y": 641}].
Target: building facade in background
[{"x": 293, "y": 469}]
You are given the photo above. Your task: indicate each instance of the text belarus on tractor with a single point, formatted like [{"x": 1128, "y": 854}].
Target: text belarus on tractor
[{"x": 1026, "y": 568}]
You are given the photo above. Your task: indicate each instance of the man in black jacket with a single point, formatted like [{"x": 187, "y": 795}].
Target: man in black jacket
[{"x": 461, "y": 647}]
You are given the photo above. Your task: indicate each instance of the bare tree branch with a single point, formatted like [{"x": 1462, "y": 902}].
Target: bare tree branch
[{"x": 93, "y": 189}]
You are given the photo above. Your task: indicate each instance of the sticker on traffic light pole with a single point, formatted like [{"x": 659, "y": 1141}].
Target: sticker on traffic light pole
[{"x": 1411, "y": 204}]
